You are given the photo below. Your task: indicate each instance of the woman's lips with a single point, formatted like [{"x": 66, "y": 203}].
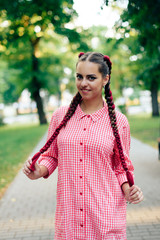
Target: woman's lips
[{"x": 85, "y": 90}]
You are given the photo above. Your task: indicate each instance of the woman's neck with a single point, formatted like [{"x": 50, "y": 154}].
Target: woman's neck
[{"x": 89, "y": 107}]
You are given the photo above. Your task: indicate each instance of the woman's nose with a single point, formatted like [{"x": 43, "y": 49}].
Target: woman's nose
[{"x": 84, "y": 82}]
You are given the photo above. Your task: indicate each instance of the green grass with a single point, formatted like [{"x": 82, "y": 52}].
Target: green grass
[
  {"x": 16, "y": 144},
  {"x": 145, "y": 128}
]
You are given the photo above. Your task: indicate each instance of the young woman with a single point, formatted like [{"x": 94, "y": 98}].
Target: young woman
[{"x": 89, "y": 142}]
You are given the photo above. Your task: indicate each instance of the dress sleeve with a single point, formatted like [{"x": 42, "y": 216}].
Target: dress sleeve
[
  {"x": 49, "y": 158},
  {"x": 124, "y": 132}
]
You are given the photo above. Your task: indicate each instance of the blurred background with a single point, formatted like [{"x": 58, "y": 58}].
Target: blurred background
[{"x": 39, "y": 46}]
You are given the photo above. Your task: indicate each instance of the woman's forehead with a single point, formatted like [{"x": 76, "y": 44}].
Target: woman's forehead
[{"x": 87, "y": 67}]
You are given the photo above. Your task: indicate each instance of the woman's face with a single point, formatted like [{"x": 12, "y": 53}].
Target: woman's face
[{"x": 89, "y": 80}]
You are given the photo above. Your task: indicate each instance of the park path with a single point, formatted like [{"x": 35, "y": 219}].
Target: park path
[{"x": 27, "y": 208}]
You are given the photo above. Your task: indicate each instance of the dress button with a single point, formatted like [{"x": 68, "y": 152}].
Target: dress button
[
  {"x": 81, "y": 225},
  {"x": 80, "y": 176},
  {"x": 84, "y": 129},
  {"x": 80, "y": 160},
  {"x": 81, "y": 143},
  {"x": 80, "y": 193},
  {"x": 81, "y": 209}
]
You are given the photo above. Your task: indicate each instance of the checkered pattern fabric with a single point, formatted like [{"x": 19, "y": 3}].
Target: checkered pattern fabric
[{"x": 90, "y": 202}]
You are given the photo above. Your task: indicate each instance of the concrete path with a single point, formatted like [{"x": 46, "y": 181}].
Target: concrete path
[
  {"x": 27, "y": 209},
  {"x": 143, "y": 220}
]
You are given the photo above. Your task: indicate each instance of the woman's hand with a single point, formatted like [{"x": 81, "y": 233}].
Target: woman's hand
[
  {"x": 40, "y": 171},
  {"x": 132, "y": 194}
]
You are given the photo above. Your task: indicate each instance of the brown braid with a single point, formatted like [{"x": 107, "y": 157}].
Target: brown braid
[
  {"x": 111, "y": 109},
  {"x": 113, "y": 120},
  {"x": 76, "y": 100}
]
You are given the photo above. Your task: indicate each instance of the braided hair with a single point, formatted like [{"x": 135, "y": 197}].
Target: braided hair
[{"x": 105, "y": 66}]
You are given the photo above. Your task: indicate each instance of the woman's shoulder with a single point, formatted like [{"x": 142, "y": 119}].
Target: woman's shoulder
[
  {"x": 59, "y": 113},
  {"x": 61, "y": 110},
  {"x": 121, "y": 119}
]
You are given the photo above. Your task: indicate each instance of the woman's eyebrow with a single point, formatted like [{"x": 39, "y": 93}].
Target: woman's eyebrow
[
  {"x": 91, "y": 75},
  {"x": 78, "y": 74}
]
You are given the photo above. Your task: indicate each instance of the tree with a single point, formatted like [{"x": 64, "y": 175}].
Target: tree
[
  {"x": 26, "y": 23},
  {"x": 124, "y": 72},
  {"x": 142, "y": 18}
]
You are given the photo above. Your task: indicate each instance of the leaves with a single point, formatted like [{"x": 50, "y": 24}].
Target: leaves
[
  {"x": 143, "y": 16},
  {"x": 29, "y": 36}
]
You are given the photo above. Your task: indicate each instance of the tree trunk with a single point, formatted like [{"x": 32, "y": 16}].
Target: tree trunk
[
  {"x": 154, "y": 95},
  {"x": 59, "y": 98},
  {"x": 39, "y": 103},
  {"x": 35, "y": 85}
]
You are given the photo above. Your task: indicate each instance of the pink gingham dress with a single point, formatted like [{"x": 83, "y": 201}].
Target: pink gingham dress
[{"x": 90, "y": 202}]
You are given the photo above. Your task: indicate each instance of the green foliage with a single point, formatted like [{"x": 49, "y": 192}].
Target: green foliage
[
  {"x": 25, "y": 26},
  {"x": 124, "y": 72},
  {"x": 8, "y": 92},
  {"x": 144, "y": 16},
  {"x": 25, "y": 16},
  {"x": 1, "y": 120},
  {"x": 141, "y": 21},
  {"x": 32, "y": 46}
]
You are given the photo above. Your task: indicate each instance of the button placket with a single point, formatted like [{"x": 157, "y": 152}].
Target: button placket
[
  {"x": 80, "y": 177},
  {"x": 80, "y": 213}
]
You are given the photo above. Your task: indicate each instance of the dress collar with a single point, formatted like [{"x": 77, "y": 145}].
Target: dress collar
[{"x": 94, "y": 116}]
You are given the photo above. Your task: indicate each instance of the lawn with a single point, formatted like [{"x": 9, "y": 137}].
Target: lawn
[
  {"x": 145, "y": 128},
  {"x": 16, "y": 144}
]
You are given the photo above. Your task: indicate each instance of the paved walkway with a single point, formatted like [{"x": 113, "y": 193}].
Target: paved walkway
[{"x": 27, "y": 209}]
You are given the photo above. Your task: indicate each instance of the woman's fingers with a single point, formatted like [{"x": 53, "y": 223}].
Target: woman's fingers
[
  {"x": 140, "y": 199},
  {"x": 26, "y": 166},
  {"x": 28, "y": 163},
  {"x": 136, "y": 195},
  {"x": 134, "y": 189}
]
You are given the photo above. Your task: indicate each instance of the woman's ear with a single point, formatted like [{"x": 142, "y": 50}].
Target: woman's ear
[{"x": 105, "y": 80}]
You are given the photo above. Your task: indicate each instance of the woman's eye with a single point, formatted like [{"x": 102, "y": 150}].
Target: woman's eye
[
  {"x": 79, "y": 76},
  {"x": 91, "y": 78}
]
